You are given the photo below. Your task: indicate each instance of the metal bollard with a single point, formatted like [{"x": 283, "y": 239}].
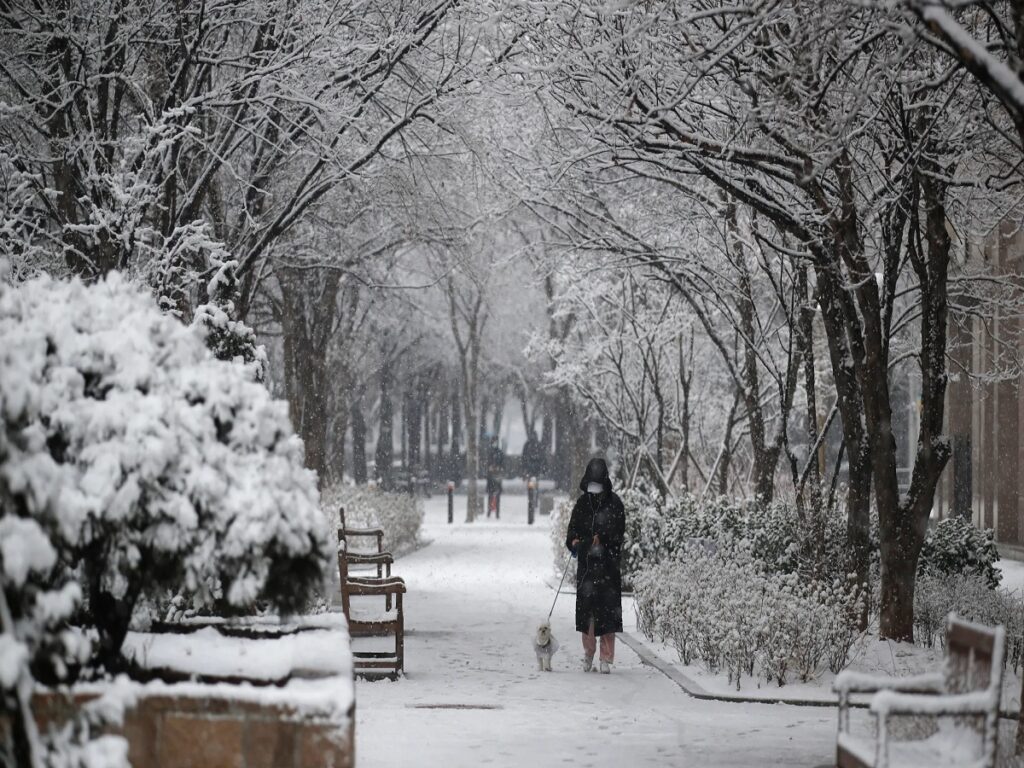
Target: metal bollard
[
  {"x": 531, "y": 500},
  {"x": 451, "y": 501}
]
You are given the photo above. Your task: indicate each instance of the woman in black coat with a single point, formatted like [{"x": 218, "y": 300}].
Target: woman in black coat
[{"x": 596, "y": 531}]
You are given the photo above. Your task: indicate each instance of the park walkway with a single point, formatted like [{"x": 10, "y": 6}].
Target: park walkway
[{"x": 473, "y": 696}]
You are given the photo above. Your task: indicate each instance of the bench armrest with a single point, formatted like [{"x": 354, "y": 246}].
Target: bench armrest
[
  {"x": 362, "y": 532},
  {"x": 886, "y": 703},
  {"x": 857, "y": 682}
]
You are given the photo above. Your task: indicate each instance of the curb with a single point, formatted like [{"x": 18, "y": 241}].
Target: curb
[{"x": 696, "y": 691}]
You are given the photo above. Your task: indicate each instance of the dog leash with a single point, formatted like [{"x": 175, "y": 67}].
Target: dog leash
[{"x": 559, "y": 591}]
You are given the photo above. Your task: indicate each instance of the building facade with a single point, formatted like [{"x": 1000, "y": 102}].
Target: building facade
[{"x": 985, "y": 405}]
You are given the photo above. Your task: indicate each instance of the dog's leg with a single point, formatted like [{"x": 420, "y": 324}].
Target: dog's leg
[
  {"x": 547, "y": 663},
  {"x": 540, "y": 663}
]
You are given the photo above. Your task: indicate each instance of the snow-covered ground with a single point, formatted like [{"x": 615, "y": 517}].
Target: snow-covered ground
[
  {"x": 475, "y": 594},
  {"x": 1013, "y": 575}
]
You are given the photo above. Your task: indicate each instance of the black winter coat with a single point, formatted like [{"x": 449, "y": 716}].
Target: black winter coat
[{"x": 598, "y": 578}]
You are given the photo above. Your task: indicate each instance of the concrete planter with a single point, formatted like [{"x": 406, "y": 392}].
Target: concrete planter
[
  {"x": 259, "y": 719},
  {"x": 192, "y": 728}
]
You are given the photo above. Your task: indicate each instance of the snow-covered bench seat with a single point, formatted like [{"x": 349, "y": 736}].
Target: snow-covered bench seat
[
  {"x": 953, "y": 714},
  {"x": 371, "y": 621}
]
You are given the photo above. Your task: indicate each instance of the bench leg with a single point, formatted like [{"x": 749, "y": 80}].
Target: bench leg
[{"x": 400, "y": 637}]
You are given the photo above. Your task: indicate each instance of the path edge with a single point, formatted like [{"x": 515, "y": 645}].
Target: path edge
[{"x": 697, "y": 691}]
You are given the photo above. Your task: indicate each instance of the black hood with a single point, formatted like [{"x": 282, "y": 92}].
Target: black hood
[{"x": 597, "y": 472}]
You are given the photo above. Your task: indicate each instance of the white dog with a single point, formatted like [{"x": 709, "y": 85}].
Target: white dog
[{"x": 544, "y": 645}]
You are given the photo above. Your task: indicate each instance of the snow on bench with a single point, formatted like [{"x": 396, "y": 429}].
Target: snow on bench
[
  {"x": 949, "y": 718},
  {"x": 372, "y": 622}
]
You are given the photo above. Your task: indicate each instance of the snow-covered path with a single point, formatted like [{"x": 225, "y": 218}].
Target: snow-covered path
[{"x": 475, "y": 595}]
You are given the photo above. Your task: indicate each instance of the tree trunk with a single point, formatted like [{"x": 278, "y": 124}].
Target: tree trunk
[
  {"x": 428, "y": 463},
  {"x": 470, "y": 406},
  {"x": 685, "y": 382},
  {"x": 385, "y": 437},
  {"x": 805, "y": 349},
  {"x": 836, "y": 313},
  {"x": 899, "y": 554},
  {"x": 566, "y": 435},
  {"x": 442, "y": 411},
  {"x": 414, "y": 428},
  {"x": 581, "y": 449},
  {"x": 1018, "y": 746},
  {"x": 765, "y": 459},
  {"x": 902, "y": 526},
  {"x": 499, "y": 417},
  {"x": 336, "y": 449},
  {"x": 524, "y": 406},
  {"x": 456, "y": 404},
  {"x": 307, "y": 321},
  {"x": 546, "y": 428},
  {"x": 485, "y": 408},
  {"x": 404, "y": 431},
  {"x": 358, "y": 437},
  {"x": 311, "y": 376},
  {"x": 721, "y": 478},
  {"x": 858, "y": 521}
]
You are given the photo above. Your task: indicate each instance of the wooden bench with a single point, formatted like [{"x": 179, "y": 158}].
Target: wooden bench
[
  {"x": 373, "y": 623},
  {"x": 952, "y": 715},
  {"x": 358, "y": 533},
  {"x": 378, "y": 559}
]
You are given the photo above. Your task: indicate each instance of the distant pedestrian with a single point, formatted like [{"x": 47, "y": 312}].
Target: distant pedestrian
[{"x": 596, "y": 530}]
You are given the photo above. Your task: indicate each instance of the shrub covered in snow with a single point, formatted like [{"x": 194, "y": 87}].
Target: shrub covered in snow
[
  {"x": 227, "y": 338},
  {"x": 658, "y": 529},
  {"x": 37, "y": 596},
  {"x": 400, "y": 515},
  {"x": 750, "y": 590},
  {"x": 725, "y": 610},
  {"x": 956, "y": 547},
  {"x": 37, "y": 599},
  {"x": 971, "y": 597},
  {"x": 149, "y": 464}
]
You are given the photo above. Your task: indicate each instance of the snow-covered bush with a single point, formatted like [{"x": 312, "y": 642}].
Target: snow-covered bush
[
  {"x": 400, "y": 515},
  {"x": 971, "y": 597},
  {"x": 655, "y": 531},
  {"x": 726, "y": 611},
  {"x": 37, "y": 596},
  {"x": 658, "y": 529},
  {"x": 36, "y": 601},
  {"x": 161, "y": 467},
  {"x": 227, "y": 338},
  {"x": 956, "y": 547}
]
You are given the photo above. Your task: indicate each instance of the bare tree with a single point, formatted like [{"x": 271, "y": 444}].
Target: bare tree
[
  {"x": 810, "y": 126},
  {"x": 467, "y": 313}
]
